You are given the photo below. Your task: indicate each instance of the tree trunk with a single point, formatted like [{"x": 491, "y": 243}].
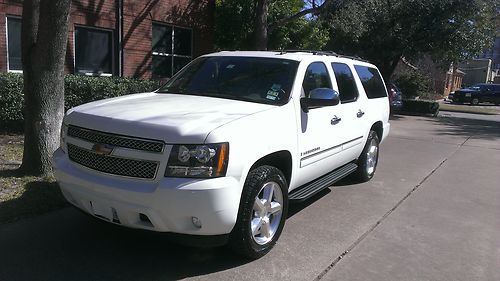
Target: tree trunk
[
  {"x": 261, "y": 26},
  {"x": 388, "y": 66},
  {"x": 44, "y": 37}
]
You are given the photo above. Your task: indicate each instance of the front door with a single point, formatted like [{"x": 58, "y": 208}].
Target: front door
[{"x": 322, "y": 129}]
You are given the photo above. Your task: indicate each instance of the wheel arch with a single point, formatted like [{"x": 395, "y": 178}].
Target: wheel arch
[
  {"x": 281, "y": 160},
  {"x": 378, "y": 127}
]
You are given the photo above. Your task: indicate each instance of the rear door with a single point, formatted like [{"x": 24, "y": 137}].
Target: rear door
[
  {"x": 353, "y": 108},
  {"x": 496, "y": 94},
  {"x": 487, "y": 94},
  {"x": 377, "y": 104}
]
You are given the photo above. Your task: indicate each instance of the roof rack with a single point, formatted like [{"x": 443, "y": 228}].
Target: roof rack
[
  {"x": 314, "y": 52},
  {"x": 321, "y": 53}
]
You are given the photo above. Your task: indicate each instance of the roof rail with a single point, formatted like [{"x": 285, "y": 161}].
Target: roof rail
[
  {"x": 322, "y": 53},
  {"x": 354, "y": 58},
  {"x": 314, "y": 52}
]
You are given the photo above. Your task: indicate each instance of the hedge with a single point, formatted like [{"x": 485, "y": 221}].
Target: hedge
[
  {"x": 420, "y": 107},
  {"x": 78, "y": 89}
]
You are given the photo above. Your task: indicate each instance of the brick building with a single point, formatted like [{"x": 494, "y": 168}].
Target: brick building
[{"x": 131, "y": 38}]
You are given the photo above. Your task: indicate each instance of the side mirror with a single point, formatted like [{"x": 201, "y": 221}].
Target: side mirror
[{"x": 320, "y": 97}]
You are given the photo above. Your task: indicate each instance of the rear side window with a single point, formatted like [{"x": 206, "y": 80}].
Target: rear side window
[
  {"x": 490, "y": 88},
  {"x": 372, "y": 82},
  {"x": 316, "y": 77},
  {"x": 348, "y": 91}
]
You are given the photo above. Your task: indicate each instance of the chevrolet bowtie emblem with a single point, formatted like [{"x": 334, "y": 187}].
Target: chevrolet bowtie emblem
[{"x": 102, "y": 149}]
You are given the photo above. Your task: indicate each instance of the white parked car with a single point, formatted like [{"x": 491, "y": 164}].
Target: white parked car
[{"x": 222, "y": 148}]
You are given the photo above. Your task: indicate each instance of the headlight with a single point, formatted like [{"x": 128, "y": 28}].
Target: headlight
[
  {"x": 198, "y": 161},
  {"x": 62, "y": 137}
]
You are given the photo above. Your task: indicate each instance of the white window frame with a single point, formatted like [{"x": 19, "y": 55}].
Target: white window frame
[
  {"x": 7, "y": 42},
  {"x": 171, "y": 54},
  {"x": 104, "y": 74}
]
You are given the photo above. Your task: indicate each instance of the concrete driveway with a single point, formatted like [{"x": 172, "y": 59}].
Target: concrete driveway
[{"x": 432, "y": 212}]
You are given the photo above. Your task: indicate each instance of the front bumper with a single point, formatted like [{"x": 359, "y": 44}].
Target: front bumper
[{"x": 166, "y": 205}]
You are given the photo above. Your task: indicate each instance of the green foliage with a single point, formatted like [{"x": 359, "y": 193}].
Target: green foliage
[
  {"x": 413, "y": 84},
  {"x": 78, "y": 89},
  {"x": 302, "y": 34},
  {"x": 234, "y": 25},
  {"x": 11, "y": 100},
  {"x": 420, "y": 107},
  {"x": 385, "y": 31}
]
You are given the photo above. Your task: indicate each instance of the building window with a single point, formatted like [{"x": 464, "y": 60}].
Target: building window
[
  {"x": 14, "y": 44},
  {"x": 93, "y": 51},
  {"x": 171, "y": 49}
]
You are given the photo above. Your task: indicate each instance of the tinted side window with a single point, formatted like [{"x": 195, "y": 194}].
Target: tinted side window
[
  {"x": 316, "y": 77},
  {"x": 489, "y": 88},
  {"x": 348, "y": 91},
  {"x": 372, "y": 82}
]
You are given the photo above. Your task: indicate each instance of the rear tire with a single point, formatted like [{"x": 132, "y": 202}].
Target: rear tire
[
  {"x": 368, "y": 160},
  {"x": 474, "y": 101},
  {"x": 262, "y": 213}
]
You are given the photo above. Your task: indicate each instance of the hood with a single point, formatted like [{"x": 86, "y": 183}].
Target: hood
[{"x": 172, "y": 118}]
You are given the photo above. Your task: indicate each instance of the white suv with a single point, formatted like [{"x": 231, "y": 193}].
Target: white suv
[{"x": 220, "y": 150}]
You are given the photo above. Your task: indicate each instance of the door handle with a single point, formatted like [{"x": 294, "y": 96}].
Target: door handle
[
  {"x": 360, "y": 113},
  {"x": 335, "y": 120}
]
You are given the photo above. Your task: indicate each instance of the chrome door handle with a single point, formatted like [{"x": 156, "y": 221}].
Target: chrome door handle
[
  {"x": 335, "y": 120},
  {"x": 360, "y": 113}
]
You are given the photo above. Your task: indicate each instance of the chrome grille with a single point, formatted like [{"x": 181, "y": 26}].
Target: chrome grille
[
  {"x": 111, "y": 164},
  {"x": 115, "y": 140}
]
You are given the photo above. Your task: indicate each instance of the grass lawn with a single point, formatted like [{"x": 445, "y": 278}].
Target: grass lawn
[
  {"x": 23, "y": 196},
  {"x": 468, "y": 109}
]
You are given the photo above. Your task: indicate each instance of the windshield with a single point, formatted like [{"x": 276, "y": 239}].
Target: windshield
[{"x": 260, "y": 80}]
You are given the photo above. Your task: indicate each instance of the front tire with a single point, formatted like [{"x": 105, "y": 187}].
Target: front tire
[
  {"x": 262, "y": 212},
  {"x": 368, "y": 160},
  {"x": 474, "y": 101}
]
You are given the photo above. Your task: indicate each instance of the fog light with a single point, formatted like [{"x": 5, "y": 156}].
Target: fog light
[{"x": 196, "y": 222}]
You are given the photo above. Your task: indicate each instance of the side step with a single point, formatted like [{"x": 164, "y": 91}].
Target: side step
[{"x": 310, "y": 189}]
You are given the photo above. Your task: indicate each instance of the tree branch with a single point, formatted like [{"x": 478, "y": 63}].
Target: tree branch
[{"x": 314, "y": 10}]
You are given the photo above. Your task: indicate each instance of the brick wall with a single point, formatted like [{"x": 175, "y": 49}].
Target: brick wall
[
  {"x": 138, "y": 16},
  {"x": 138, "y": 19}
]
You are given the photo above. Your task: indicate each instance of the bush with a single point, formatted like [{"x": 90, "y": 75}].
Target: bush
[
  {"x": 420, "y": 107},
  {"x": 78, "y": 90},
  {"x": 414, "y": 84},
  {"x": 11, "y": 101}
]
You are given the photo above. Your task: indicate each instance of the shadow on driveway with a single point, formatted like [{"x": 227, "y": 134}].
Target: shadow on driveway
[
  {"x": 78, "y": 247},
  {"x": 477, "y": 128},
  {"x": 70, "y": 245}
]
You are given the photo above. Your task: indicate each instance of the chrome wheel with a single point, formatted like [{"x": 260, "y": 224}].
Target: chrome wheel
[
  {"x": 372, "y": 157},
  {"x": 267, "y": 212}
]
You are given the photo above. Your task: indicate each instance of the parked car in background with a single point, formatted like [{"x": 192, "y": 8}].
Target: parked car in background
[
  {"x": 450, "y": 97},
  {"x": 395, "y": 97},
  {"x": 478, "y": 93}
]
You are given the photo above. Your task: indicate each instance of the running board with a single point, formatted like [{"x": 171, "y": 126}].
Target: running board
[{"x": 310, "y": 189}]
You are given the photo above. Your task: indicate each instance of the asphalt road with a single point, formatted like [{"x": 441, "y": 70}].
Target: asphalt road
[{"x": 432, "y": 212}]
